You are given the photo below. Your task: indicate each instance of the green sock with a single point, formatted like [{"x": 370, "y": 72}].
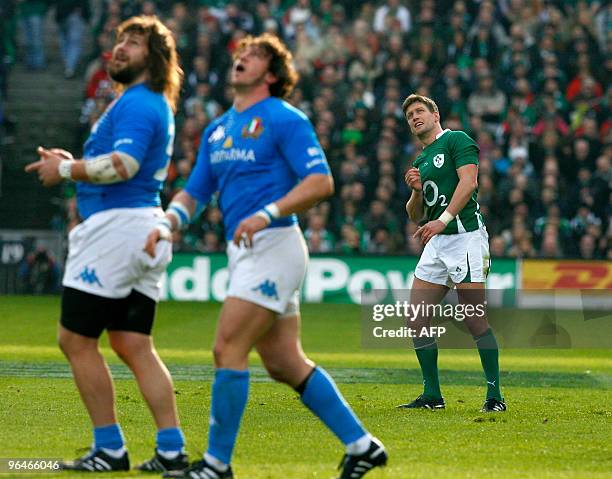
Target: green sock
[
  {"x": 427, "y": 353},
  {"x": 489, "y": 358}
]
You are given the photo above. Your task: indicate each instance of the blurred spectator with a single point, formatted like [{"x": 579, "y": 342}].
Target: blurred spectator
[
  {"x": 392, "y": 15},
  {"x": 39, "y": 273},
  {"x": 202, "y": 101},
  {"x": 96, "y": 74},
  {"x": 381, "y": 242},
  {"x": 209, "y": 243},
  {"x": 588, "y": 247},
  {"x": 31, "y": 21},
  {"x": 487, "y": 101},
  {"x": 377, "y": 217},
  {"x": 497, "y": 247},
  {"x": 550, "y": 247},
  {"x": 350, "y": 240},
  {"x": 178, "y": 179},
  {"x": 317, "y": 236},
  {"x": 72, "y": 17},
  {"x": 7, "y": 44}
]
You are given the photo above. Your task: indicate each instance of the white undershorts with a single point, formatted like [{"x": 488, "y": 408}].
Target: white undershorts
[
  {"x": 106, "y": 257},
  {"x": 449, "y": 259},
  {"x": 270, "y": 273}
]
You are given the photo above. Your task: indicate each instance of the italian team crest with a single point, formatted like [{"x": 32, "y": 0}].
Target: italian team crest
[
  {"x": 438, "y": 160},
  {"x": 253, "y": 129}
]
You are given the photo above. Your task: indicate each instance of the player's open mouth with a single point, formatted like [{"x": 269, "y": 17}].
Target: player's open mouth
[
  {"x": 418, "y": 123},
  {"x": 240, "y": 67}
]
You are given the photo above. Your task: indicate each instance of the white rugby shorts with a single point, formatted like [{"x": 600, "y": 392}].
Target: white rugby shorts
[
  {"x": 456, "y": 258},
  {"x": 106, "y": 257},
  {"x": 269, "y": 273}
]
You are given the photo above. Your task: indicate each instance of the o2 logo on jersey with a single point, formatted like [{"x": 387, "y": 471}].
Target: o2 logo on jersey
[
  {"x": 430, "y": 185},
  {"x": 438, "y": 160}
]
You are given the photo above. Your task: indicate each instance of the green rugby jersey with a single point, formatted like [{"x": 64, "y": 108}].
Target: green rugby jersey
[{"x": 438, "y": 165}]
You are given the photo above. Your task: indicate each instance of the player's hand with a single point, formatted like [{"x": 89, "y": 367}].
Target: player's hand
[
  {"x": 152, "y": 239},
  {"x": 413, "y": 179},
  {"x": 46, "y": 167},
  {"x": 161, "y": 232},
  {"x": 65, "y": 155},
  {"x": 429, "y": 230},
  {"x": 247, "y": 228}
]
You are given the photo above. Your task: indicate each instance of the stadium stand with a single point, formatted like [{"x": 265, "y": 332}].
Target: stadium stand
[{"x": 527, "y": 80}]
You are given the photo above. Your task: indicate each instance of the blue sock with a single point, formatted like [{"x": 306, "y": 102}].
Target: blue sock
[
  {"x": 230, "y": 392},
  {"x": 170, "y": 439},
  {"x": 323, "y": 398},
  {"x": 108, "y": 437}
]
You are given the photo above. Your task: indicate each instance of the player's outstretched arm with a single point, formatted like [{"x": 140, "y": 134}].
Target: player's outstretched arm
[
  {"x": 56, "y": 164},
  {"x": 307, "y": 193},
  {"x": 179, "y": 212}
]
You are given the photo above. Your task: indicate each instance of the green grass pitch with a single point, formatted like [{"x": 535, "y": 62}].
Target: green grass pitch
[{"x": 559, "y": 422}]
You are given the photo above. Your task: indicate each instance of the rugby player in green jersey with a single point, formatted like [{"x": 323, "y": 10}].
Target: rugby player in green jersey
[{"x": 444, "y": 183}]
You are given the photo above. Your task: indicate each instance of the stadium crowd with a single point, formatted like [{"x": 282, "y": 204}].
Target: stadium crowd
[
  {"x": 7, "y": 57},
  {"x": 526, "y": 79}
]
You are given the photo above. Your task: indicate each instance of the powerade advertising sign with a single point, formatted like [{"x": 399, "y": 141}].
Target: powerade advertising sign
[{"x": 192, "y": 277}]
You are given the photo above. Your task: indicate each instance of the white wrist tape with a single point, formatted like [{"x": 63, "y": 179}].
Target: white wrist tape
[
  {"x": 65, "y": 169},
  {"x": 104, "y": 170},
  {"x": 180, "y": 213},
  {"x": 446, "y": 217},
  {"x": 165, "y": 229},
  {"x": 270, "y": 212},
  {"x": 264, "y": 215}
]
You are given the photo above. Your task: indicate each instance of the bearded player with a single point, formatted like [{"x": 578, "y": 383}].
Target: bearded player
[
  {"x": 444, "y": 183},
  {"x": 110, "y": 283}
]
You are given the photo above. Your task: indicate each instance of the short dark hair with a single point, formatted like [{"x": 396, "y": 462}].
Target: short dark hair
[
  {"x": 414, "y": 98},
  {"x": 281, "y": 62}
]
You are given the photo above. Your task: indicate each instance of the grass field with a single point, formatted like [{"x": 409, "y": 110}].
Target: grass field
[{"x": 559, "y": 422}]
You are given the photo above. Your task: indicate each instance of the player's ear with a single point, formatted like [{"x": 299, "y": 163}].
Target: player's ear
[
  {"x": 437, "y": 116},
  {"x": 271, "y": 78}
]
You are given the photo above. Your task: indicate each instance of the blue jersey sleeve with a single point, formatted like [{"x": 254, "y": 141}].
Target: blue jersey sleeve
[
  {"x": 201, "y": 183},
  {"x": 300, "y": 147},
  {"x": 134, "y": 127}
]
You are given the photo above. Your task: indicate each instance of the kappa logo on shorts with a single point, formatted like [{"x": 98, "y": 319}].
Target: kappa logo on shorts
[
  {"x": 89, "y": 276},
  {"x": 438, "y": 160},
  {"x": 267, "y": 288}
]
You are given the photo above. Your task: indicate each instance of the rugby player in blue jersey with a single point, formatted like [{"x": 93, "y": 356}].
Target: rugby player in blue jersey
[
  {"x": 264, "y": 160},
  {"x": 109, "y": 282}
]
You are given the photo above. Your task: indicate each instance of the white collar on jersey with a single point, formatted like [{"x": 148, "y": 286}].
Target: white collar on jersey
[{"x": 442, "y": 133}]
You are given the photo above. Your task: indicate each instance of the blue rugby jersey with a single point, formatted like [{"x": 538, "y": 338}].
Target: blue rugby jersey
[
  {"x": 253, "y": 158},
  {"x": 140, "y": 123}
]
